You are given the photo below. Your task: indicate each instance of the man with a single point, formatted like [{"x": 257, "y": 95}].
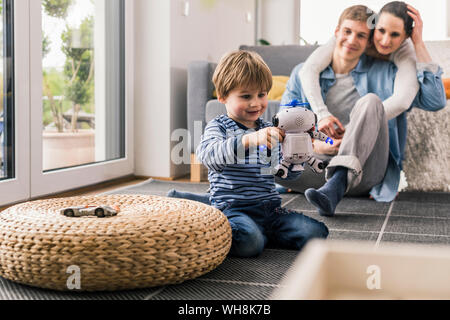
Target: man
[{"x": 368, "y": 152}]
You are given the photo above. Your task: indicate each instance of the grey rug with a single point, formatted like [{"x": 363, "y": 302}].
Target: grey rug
[
  {"x": 411, "y": 218},
  {"x": 426, "y": 152}
]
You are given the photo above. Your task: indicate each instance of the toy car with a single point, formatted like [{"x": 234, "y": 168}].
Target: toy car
[{"x": 90, "y": 210}]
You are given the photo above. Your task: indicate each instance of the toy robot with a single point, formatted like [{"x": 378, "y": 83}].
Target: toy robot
[{"x": 299, "y": 123}]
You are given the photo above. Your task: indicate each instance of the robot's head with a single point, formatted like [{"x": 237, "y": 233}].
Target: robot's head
[{"x": 296, "y": 119}]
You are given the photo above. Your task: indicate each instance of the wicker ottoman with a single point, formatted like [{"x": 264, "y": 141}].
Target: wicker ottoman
[{"x": 153, "y": 241}]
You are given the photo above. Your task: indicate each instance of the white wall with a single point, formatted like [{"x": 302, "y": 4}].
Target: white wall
[
  {"x": 166, "y": 41},
  {"x": 209, "y": 32},
  {"x": 152, "y": 88},
  {"x": 279, "y": 21},
  {"x": 318, "y": 24},
  {"x": 448, "y": 18}
]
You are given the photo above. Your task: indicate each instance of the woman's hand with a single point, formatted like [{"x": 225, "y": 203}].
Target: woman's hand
[
  {"x": 269, "y": 137},
  {"x": 332, "y": 127},
  {"x": 416, "y": 36},
  {"x": 417, "y": 32},
  {"x": 321, "y": 147}
]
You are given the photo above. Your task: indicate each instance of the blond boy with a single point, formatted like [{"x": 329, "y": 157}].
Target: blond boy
[{"x": 240, "y": 184}]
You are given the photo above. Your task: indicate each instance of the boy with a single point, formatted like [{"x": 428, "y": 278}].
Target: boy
[{"x": 241, "y": 183}]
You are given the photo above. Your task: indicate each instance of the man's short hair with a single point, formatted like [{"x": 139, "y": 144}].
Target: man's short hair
[
  {"x": 356, "y": 13},
  {"x": 241, "y": 69}
]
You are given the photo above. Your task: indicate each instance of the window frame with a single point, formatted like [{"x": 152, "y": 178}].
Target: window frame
[
  {"x": 29, "y": 181},
  {"x": 17, "y": 188},
  {"x": 44, "y": 183}
]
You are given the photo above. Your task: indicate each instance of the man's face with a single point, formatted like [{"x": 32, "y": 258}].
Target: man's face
[{"x": 351, "y": 39}]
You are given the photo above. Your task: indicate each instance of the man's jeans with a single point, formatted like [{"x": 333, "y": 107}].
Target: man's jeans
[{"x": 254, "y": 225}]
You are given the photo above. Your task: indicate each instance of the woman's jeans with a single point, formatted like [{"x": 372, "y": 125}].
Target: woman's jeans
[{"x": 254, "y": 225}]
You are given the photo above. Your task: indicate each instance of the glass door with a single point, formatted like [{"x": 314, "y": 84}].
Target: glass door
[
  {"x": 14, "y": 102},
  {"x": 66, "y": 73},
  {"x": 7, "y": 165},
  {"x": 81, "y": 113}
]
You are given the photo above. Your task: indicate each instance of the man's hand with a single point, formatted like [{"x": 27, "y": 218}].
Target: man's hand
[
  {"x": 332, "y": 127},
  {"x": 321, "y": 147},
  {"x": 265, "y": 137}
]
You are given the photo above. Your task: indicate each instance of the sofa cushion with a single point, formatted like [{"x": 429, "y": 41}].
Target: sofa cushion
[
  {"x": 447, "y": 87},
  {"x": 278, "y": 87}
]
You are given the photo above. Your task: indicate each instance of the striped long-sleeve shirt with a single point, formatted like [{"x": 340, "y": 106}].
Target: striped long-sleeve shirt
[{"x": 237, "y": 175}]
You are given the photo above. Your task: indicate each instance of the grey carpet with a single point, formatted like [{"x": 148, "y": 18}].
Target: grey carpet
[
  {"x": 235, "y": 279},
  {"x": 411, "y": 218},
  {"x": 160, "y": 188},
  {"x": 13, "y": 291}
]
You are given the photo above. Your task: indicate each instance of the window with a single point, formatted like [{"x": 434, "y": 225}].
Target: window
[
  {"x": 15, "y": 109},
  {"x": 85, "y": 68},
  {"x": 7, "y": 84},
  {"x": 83, "y": 82},
  {"x": 318, "y": 22},
  {"x": 66, "y": 66}
]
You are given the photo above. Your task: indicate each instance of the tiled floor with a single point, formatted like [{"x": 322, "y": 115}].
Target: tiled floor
[{"x": 412, "y": 218}]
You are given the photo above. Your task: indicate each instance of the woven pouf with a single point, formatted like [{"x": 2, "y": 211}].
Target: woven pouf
[{"x": 153, "y": 241}]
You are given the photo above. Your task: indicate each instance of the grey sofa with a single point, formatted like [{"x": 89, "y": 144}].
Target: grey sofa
[{"x": 202, "y": 107}]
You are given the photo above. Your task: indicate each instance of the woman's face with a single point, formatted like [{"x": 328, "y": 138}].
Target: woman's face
[{"x": 389, "y": 33}]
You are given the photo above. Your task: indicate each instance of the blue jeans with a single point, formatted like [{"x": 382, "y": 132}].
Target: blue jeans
[{"x": 254, "y": 225}]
